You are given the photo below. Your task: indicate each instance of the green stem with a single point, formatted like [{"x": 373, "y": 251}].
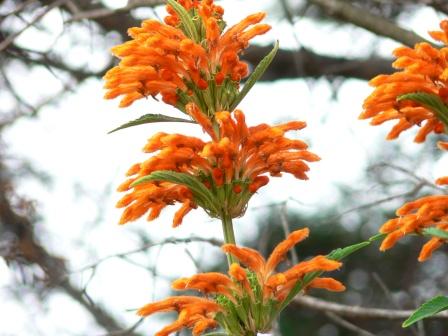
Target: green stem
[
  {"x": 229, "y": 235},
  {"x": 444, "y": 119}
]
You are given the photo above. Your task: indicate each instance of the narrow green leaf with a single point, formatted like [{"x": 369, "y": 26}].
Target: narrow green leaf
[
  {"x": 341, "y": 253},
  {"x": 185, "y": 18},
  {"x": 150, "y": 118},
  {"x": 202, "y": 195},
  {"x": 377, "y": 237},
  {"x": 430, "y": 101},
  {"x": 215, "y": 334},
  {"x": 337, "y": 254},
  {"x": 298, "y": 287},
  {"x": 429, "y": 308},
  {"x": 258, "y": 72},
  {"x": 436, "y": 233}
]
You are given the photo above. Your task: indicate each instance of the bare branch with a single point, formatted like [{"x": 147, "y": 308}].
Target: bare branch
[
  {"x": 347, "y": 325},
  {"x": 409, "y": 193},
  {"x": 20, "y": 7},
  {"x": 390, "y": 297},
  {"x": 440, "y": 5},
  {"x": 314, "y": 65},
  {"x": 374, "y": 23},
  {"x": 103, "y": 12},
  {"x": 144, "y": 247},
  {"x": 409, "y": 173},
  {"x": 357, "y": 312},
  {"x": 8, "y": 40},
  {"x": 287, "y": 231},
  {"x": 26, "y": 250}
]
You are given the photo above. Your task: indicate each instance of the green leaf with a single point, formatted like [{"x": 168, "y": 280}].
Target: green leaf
[
  {"x": 430, "y": 101},
  {"x": 258, "y": 72},
  {"x": 150, "y": 118},
  {"x": 337, "y": 254},
  {"x": 429, "y": 308},
  {"x": 341, "y": 253},
  {"x": 185, "y": 18},
  {"x": 216, "y": 334},
  {"x": 436, "y": 233},
  {"x": 377, "y": 237},
  {"x": 202, "y": 195}
]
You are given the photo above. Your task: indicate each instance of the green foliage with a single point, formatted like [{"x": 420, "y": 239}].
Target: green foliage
[
  {"x": 429, "y": 308},
  {"x": 337, "y": 254},
  {"x": 255, "y": 76},
  {"x": 435, "y": 232},
  {"x": 430, "y": 101},
  {"x": 341, "y": 253},
  {"x": 150, "y": 118},
  {"x": 188, "y": 26},
  {"x": 202, "y": 195}
]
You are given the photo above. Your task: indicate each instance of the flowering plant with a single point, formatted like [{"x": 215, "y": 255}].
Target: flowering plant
[{"x": 192, "y": 61}]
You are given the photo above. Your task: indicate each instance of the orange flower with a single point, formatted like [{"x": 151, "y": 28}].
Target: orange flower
[
  {"x": 256, "y": 288},
  {"x": 194, "y": 312},
  {"x": 276, "y": 286},
  {"x": 442, "y": 180},
  {"x": 424, "y": 69},
  {"x": 237, "y": 161},
  {"x": 429, "y": 211},
  {"x": 181, "y": 60},
  {"x": 443, "y": 145}
]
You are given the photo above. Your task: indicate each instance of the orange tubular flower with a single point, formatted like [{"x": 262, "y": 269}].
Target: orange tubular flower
[
  {"x": 237, "y": 162},
  {"x": 424, "y": 69},
  {"x": 277, "y": 286},
  {"x": 426, "y": 212},
  {"x": 442, "y": 180},
  {"x": 184, "y": 61},
  {"x": 194, "y": 312},
  {"x": 256, "y": 288}
]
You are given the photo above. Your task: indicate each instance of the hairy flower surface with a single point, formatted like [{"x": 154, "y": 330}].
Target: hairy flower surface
[
  {"x": 194, "y": 313},
  {"x": 248, "y": 300},
  {"x": 276, "y": 286},
  {"x": 188, "y": 59},
  {"x": 424, "y": 68},
  {"x": 231, "y": 167},
  {"x": 426, "y": 212}
]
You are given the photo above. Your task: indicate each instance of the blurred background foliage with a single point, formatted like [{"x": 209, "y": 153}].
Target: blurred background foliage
[{"x": 53, "y": 55}]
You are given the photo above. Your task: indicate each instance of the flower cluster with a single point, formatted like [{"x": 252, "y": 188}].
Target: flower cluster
[
  {"x": 194, "y": 313},
  {"x": 415, "y": 96},
  {"x": 232, "y": 166},
  {"x": 248, "y": 299},
  {"x": 424, "y": 70},
  {"x": 190, "y": 61},
  {"x": 430, "y": 211}
]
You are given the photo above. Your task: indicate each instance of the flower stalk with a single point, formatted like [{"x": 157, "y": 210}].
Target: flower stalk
[{"x": 229, "y": 235}]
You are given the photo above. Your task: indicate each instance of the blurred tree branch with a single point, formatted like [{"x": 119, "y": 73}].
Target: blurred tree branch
[
  {"x": 376, "y": 24},
  {"x": 357, "y": 312},
  {"x": 103, "y": 12},
  {"x": 11, "y": 37},
  {"x": 21, "y": 248}
]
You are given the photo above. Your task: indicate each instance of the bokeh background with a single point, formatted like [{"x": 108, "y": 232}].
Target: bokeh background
[{"x": 67, "y": 268}]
